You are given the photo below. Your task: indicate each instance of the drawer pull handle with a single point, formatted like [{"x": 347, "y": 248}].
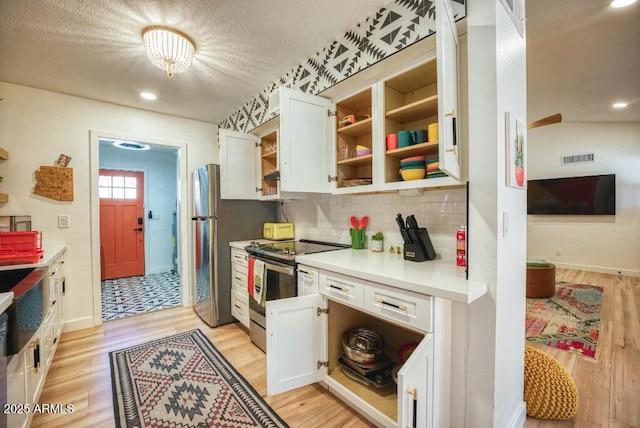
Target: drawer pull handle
[
  {"x": 393, "y": 305},
  {"x": 335, "y": 287},
  {"x": 237, "y": 307}
]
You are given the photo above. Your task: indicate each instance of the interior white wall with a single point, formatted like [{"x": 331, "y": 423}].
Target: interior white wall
[
  {"x": 39, "y": 125},
  {"x": 160, "y": 175},
  {"x": 497, "y": 221},
  {"x": 609, "y": 244}
]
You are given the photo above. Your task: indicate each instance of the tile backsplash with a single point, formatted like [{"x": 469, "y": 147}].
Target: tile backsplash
[{"x": 326, "y": 218}]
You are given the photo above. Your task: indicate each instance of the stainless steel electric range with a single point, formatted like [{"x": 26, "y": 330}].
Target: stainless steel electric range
[{"x": 280, "y": 276}]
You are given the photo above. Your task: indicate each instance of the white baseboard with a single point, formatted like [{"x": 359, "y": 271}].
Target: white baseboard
[
  {"x": 599, "y": 269},
  {"x": 160, "y": 269},
  {"x": 78, "y": 324},
  {"x": 520, "y": 417}
]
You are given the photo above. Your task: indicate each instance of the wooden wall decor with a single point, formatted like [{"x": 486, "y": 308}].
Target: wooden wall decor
[{"x": 54, "y": 182}]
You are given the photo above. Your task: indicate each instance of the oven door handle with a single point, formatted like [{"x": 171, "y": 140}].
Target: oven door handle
[
  {"x": 275, "y": 266},
  {"x": 287, "y": 270}
]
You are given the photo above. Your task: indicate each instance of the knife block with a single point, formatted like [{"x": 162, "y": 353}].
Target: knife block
[{"x": 421, "y": 251}]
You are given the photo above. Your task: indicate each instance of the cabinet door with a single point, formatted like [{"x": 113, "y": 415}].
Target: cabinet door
[
  {"x": 307, "y": 281},
  {"x": 415, "y": 380},
  {"x": 238, "y": 165},
  {"x": 16, "y": 390},
  {"x": 448, "y": 112},
  {"x": 294, "y": 343},
  {"x": 305, "y": 140}
]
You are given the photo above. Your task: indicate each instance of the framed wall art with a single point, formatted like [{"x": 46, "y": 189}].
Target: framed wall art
[{"x": 515, "y": 152}]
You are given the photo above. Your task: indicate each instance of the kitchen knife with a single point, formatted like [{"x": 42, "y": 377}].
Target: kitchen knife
[
  {"x": 413, "y": 229},
  {"x": 412, "y": 223},
  {"x": 403, "y": 229}
]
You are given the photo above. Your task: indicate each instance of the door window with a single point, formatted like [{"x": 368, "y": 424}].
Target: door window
[{"x": 117, "y": 187}]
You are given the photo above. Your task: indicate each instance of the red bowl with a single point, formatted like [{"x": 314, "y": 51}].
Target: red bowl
[{"x": 413, "y": 158}]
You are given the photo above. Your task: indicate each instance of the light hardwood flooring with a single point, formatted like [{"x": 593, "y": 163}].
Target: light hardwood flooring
[
  {"x": 80, "y": 373},
  {"x": 609, "y": 385}
]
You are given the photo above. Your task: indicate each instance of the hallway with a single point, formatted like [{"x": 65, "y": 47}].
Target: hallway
[{"x": 125, "y": 297}]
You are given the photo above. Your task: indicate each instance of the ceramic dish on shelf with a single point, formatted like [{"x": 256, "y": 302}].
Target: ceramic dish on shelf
[{"x": 405, "y": 351}]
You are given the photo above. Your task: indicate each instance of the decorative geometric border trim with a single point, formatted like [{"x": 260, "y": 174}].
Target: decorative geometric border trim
[{"x": 391, "y": 29}]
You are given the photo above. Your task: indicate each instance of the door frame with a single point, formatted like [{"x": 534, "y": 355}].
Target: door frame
[{"x": 183, "y": 211}]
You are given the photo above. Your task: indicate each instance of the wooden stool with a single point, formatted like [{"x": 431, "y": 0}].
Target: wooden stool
[{"x": 541, "y": 281}]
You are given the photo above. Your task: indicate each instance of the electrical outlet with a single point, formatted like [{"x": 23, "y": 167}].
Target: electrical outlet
[
  {"x": 558, "y": 252},
  {"x": 63, "y": 222}
]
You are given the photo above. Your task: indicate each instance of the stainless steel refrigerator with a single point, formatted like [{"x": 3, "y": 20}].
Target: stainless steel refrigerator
[{"x": 216, "y": 222}]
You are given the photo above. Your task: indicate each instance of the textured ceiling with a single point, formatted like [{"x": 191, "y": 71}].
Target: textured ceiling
[
  {"x": 94, "y": 49},
  {"x": 582, "y": 55}
]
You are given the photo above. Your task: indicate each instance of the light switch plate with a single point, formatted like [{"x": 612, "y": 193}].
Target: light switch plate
[{"x": 63, "y": 222}]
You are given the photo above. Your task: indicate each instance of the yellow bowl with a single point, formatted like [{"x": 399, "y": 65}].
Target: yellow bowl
[{"x": 413, "y": 174}]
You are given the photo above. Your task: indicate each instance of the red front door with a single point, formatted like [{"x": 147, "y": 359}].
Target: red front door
[{"x": 121, "y": 223}]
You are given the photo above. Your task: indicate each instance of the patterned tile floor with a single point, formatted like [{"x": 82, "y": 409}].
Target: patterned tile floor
[{"x": 125, "y": 297}]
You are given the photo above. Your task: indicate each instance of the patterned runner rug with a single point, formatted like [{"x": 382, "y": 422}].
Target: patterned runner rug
[
  {"x": 183, "y": 381},
  {"x": 570, "y": 320}
]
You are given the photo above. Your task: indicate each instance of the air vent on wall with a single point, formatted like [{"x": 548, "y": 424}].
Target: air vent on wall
[{"x": 583, "y": 158}]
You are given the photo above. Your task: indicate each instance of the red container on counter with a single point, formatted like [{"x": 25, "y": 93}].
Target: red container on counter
[
  {"x": 461, "y": 246},
  {"x": 21, "y": 246}
]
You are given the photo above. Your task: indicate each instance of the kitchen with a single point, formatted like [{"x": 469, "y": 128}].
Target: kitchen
[
  {"x": 84, "y": 115},
  {"x": 23, "y": 138}
]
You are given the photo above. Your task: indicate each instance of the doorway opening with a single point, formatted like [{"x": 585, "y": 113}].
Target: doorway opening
[{"x": 138, "y": 192}]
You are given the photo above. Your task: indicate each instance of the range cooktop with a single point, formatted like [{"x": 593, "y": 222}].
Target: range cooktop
[{"x": 287, "y": 250}]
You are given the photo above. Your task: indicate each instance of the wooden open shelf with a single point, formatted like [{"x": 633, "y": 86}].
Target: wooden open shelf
[
  {"x": 357, "y": 161},
  {"x": 270, "y": 155},
  {"x": 362, "y": 127},
  {"x": 414, "y": 150},
  {"x": 4, "y": 198},
  {"x": 424, "y": 108}
]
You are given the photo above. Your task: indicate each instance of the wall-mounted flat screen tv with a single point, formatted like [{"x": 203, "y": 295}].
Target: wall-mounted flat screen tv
[{"x": 588, "y": 195}]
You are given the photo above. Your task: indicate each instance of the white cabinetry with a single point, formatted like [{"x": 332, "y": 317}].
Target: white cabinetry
[
  {"x": 304, "y": 345},
  {"x": 307, "y": 280},
  {"x": 409, "y": 100},
  {"x": 27, "y": 370},
  {"x": 239, "y": 293},
  {"x": 289, "y": 154}
]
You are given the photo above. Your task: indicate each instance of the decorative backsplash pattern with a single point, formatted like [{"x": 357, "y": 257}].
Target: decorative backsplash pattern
[{"x": 388, "y": 31}]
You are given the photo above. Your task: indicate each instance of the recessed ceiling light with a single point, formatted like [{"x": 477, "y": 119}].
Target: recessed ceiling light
[
  {"x": 130, "y": 145},
  {"x": 622, "y": 3},
  {"x": 620, "y": 105},
  {"x": 148, "y": 95}
]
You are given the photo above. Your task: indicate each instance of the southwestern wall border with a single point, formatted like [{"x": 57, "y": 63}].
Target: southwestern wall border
[{"x": 391, "y": 29}]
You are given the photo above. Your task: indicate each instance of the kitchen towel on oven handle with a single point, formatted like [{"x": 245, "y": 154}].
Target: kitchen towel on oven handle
[
  {"x": 250, "y": 270},
  {"x": 259, "y": 279}
]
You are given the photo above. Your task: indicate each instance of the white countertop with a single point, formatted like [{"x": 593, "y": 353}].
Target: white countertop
[
  {"x": 51, "y": 252},
  {"x": 435, "y": 277},
  {"x": 5, "y": 301}
]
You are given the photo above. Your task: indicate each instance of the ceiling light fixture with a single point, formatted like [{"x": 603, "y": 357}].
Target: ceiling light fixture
[
  {"x": 148, "y": 96},
  {"x": 168, "y": 49},
  {"x": 130, "y": 145},
  {"x": 622, "y": 3},
  {"x": 619, "y": 105}
]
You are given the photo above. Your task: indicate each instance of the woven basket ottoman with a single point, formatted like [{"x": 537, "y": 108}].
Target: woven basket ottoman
[{"x": 549, "y": 389}]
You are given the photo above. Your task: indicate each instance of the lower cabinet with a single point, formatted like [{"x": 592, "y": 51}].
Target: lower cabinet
[
  {"x": 239, "y": 293},
  {"x": 304, "y": 345},
  {"x": 27, "y": 370}
]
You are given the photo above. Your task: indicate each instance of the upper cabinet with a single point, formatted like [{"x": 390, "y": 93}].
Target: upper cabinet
[
  {"x": 416, "y": 110},
  {"x": 283, "y": 158},
  {"x": 317, "y": 146}
]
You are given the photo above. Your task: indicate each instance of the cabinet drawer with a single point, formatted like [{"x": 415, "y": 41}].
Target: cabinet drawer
[
  {"x": 401, "y": 306},
  {"x": 341, "y": 288},
  {"x": 240, "y": 257},
  {"x": 238, "y": 277},
  {"x": 240, "y": 307}
]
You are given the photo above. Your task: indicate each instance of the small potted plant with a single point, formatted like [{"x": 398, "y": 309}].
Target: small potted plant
[{"x": 377, "y": 242}]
